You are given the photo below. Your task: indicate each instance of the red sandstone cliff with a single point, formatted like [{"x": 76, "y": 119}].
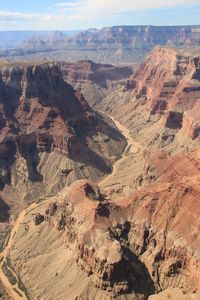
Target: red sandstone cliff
[
  {"x": 160, "y": 101},
  {"x": 49, "y": 136},
  {"x": 94, "y": 80}
]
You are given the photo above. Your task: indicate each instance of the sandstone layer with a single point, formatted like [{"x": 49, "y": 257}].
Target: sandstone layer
[
  {"x": 83, "y": 251},
  {"x": 135, "y": 237},
  {"x": 160, "y": 101},
  {"x": 94, "y": 80},
  {"x": 94, "y": 248},
  {"x": 49, "y": 136}
]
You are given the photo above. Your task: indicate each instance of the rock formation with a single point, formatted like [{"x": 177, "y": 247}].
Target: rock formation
[
  {"x": 135, "y": 235},
  {"x": 175, "y": 294},
  {"x": 94, "y": 80},
  {"x": 49, "y": 135},
  {"x": 164, "y": 94},
  {"x": 128, "y": 249},
  {"x": 96, "y": 231},
  {"x": 118, "y": 44}
]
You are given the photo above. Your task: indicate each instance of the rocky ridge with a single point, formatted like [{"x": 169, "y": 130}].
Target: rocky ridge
[
  {"x": 127, "y": 249},
  {"x": 160, "y": 100},
  {"x": 94, "y": 80},
  {"x": 96, "y": 231},
  {"x": 49, "y": 135}
]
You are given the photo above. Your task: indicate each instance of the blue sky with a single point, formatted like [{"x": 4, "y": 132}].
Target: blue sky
[{"x": 82, "y": 14}]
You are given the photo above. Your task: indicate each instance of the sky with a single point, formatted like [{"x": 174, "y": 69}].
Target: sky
[{"x": 83, "y": 14}]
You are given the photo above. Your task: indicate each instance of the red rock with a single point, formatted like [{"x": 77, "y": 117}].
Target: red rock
[{"x": 47, "y": 127}]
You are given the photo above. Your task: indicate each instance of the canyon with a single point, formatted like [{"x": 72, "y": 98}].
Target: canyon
[
  {"x": 107, "y": 192},
  {"x": 49, "y": 135},
  {"x": 112, "y": 45}
]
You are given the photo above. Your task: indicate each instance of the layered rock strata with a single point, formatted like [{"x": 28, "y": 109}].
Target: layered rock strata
[{"x": 49, "y": 135}]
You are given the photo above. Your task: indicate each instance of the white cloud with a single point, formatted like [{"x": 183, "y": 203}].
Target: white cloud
[
  {"x": 10, "y": 16},
  {"x": 85, "y": 13},
  {"x": 67, "y": 5},
  {"x": 102, "y": 8},
  {"x": 27, "y": 21}
]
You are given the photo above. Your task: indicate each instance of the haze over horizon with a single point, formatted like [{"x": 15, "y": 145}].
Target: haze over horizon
[{"x": 82, "y": 14}]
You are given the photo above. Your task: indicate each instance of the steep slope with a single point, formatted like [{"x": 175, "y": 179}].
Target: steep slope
[
  {"x": 127, "y": 249},
  {"x": 160, "y": 102},
  {"x": 94, "y": 80},
  {"x": 49, "y": 135},
  {"x": 82, "y": 252}
]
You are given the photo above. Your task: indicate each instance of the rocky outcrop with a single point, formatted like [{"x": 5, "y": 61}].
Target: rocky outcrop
[
  {"x": 128, "y": 249},
  {"x": 167, "y": 80},
  {"x": 170, "y": 85},
  {"x": 160, "y": 101},
  {"x": 49, "y": 135},
  {"x": 38, "y": 219},
  {"x": 162, "y": 211},
  {"x": 97, "y": 232},
  {"x": 94, "y": 80},
  {"x": 84, "y": 71}
]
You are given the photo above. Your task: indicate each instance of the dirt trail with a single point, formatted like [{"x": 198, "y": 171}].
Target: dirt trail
[{"x": 132, "y": 148}]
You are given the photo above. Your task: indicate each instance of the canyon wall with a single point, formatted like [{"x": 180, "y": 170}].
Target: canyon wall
[
  {"x": 118, "y": 44},
  {"x": 49, "y": 135},
  {"x": 160, "y": 101}
]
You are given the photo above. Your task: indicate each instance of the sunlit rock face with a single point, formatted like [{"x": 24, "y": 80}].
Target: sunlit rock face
[{"x": 49, "y": 135}]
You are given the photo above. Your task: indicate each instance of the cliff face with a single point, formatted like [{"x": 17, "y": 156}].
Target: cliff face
[
  {"x": 164, "y": 221},
  {"x": 84, "y": 71},
  {"x": 163, "y": 93},
  {"x": 142, "y": 36},
  {"x": 94, "y": 80},
  {"x": 168, "y": 80},
  {"x": 49, "y": 135}
]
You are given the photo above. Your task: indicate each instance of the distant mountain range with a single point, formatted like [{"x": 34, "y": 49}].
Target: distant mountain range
[
  {"x": 15, "y": 38},
  {"x": 118, "y": 44}
]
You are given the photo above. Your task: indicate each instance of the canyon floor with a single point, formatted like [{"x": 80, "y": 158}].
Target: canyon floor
[{"x": 119, "y": 181}]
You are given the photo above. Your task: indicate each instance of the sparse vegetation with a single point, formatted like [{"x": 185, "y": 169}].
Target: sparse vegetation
[
  {"x": 8, "y": 262},
  {"x": 23, "y": 288},
  {"x": 8, "y": 271},
  {"x": 4, "y": 238},
  {"x": 12, "y": 279},
  {"x": 16, "y": 216},
  {"x": 40, "y": 200}
]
